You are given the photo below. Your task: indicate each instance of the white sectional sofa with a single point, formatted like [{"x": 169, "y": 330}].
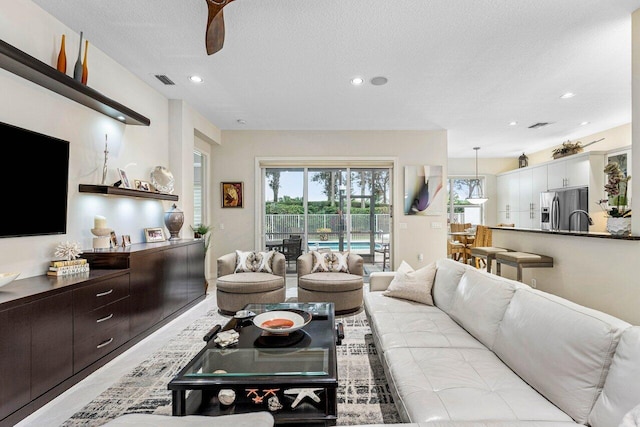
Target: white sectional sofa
[{"x": 495, "y": 352}]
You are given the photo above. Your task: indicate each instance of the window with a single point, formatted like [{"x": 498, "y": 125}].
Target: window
[{"x": 458, "y": 209}]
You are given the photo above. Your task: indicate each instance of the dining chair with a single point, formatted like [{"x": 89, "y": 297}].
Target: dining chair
[
  {"x": 291, "y": 249},
  {"x": 483, "y": 238}
]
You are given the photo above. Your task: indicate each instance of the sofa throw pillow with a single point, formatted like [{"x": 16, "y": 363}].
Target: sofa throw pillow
[
  {"x": 250, "y": 261},
  {"x": 412, "y": 285},
  {"x": 339, "y": 262},
  {"x": 321, "y": 261}
]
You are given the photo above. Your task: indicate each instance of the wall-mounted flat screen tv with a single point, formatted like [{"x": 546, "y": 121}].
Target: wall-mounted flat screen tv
[{"x": 35, "y": 180}]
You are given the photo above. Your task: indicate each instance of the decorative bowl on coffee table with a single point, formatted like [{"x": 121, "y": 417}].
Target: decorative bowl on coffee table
[{"x": 281, "y": 322}]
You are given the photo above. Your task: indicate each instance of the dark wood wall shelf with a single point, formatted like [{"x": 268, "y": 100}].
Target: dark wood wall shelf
[
  {"x": 30, "y": 68},
  {"x": 127, "y": 192}
]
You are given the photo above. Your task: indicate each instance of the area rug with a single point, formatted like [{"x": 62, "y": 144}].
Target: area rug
[{"x": 363, "y": 393}]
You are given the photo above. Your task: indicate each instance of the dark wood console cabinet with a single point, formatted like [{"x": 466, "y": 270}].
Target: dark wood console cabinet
[{"x": 55, "y": 331}]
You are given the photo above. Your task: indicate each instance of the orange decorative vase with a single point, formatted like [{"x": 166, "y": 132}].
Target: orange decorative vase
[
  {"x": 62, "y": 58},
  {"x": 85, "y": 69}
]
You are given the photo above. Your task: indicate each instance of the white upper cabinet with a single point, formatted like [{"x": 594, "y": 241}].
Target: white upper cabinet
[{"x": 573, "y": 171}]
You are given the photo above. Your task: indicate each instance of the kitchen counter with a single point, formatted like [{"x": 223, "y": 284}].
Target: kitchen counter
[{"x": 599, "y": 235}]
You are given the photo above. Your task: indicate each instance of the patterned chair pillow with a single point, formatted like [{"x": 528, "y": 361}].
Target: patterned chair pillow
[
  {"x": 321, "y": 262},
  {"x": 330, "y": 262},
  {"x": 339, "y": 262},
  {"x": 254, "y": 261}
]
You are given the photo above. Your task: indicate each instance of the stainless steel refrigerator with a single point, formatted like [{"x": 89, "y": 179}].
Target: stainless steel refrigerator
[{"x": 565, "y": 210}]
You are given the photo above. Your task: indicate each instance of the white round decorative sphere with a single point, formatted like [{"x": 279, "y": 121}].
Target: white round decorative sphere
[{"x": 226, "y": 396}]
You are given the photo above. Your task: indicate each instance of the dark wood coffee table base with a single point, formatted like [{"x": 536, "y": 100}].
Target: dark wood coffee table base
[{"x": 195, "y": 392}]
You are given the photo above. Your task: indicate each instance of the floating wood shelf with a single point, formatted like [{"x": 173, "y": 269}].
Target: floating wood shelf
[
  {"x": 30, "y": 68},
  {"x": 127, "y": 192}
]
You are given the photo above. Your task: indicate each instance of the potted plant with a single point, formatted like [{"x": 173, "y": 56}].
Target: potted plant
[
  {"x": 324, "y": 236},
  {"x": 201, "y": 231},
  {"x": 615, "y": 205}
]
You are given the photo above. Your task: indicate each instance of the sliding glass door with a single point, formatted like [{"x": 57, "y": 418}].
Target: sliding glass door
[{"x": 336, "y": 208}]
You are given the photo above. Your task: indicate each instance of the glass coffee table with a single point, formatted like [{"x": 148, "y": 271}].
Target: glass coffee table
[{"x": 299, "y": 370}]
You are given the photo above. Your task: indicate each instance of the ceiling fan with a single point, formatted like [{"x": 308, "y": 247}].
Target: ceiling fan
[{"x": 215, "y": 25}]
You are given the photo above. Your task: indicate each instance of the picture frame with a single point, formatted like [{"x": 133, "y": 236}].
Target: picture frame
[
  {"x": 142, "y": 185},
  {"x": 126, "y": 240},
  {"x": 155, "y": 234},
  {"x": 232, "y": 194},
  {"x": 422, "y": 190},
  {"x": 114, "y": 239},
  {"x": 124, "y": 181}
]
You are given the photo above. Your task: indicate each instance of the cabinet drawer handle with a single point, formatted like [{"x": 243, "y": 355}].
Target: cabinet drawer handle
[
  {"x": 102, "y": 294},
  {"x": 105, "y": 318},
  {"x": 107, "y": 342}
]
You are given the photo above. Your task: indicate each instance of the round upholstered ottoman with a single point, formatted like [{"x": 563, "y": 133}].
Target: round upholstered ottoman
[
  {"x": 344, "y": 290},
  {"x": 236, "y": 290}
]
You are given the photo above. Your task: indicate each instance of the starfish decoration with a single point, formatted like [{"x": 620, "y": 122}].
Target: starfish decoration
[{"x": 302, "y": 393}]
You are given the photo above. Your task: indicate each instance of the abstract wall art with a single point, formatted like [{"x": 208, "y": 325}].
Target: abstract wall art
[{"x": 423, "y": 190}]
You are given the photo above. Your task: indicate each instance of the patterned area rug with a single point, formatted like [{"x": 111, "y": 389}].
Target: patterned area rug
[{"x": 363, "y": 394}]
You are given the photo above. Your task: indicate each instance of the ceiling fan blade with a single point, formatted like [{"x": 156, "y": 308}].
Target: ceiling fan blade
[{"x": 214, "y": 38}]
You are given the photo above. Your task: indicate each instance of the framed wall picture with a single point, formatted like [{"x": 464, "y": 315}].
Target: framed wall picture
[
  {"x": 154, "y": 235},
  {"x": 124, "y": 181},
  {"x": 232, "y": 194},
  {"x": 422, "y": 190}
]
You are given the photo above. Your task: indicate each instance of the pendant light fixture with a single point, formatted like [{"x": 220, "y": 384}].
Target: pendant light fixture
[{"x": 477, "y": 196}]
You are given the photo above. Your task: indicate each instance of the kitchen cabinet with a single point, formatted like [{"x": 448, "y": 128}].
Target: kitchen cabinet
[
  {"x": 523, "y": 209},
  {"x": 574, "y": 171},
  {"x": 508, "y": 188},
  {"x": 532, "y": 181}
]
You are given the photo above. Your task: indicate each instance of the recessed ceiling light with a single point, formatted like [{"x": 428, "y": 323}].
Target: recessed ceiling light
[
  {"x": 196, "y": 79},
  {"x": 584, "y": 123},
  {"x": 513, "y": 123},
  {"x": 379, "y": 81},
  {"x": 121, "y": 118},
  {"x": 567, "y": 95},
  {"x": 241, "y": 121},
  {"x": 357, "y": 81}
]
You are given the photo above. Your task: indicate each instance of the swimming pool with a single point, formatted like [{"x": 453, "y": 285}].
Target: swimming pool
[{"x": 363, "y": 246}]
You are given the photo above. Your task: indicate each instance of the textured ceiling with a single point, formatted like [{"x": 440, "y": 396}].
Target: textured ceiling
[{"x": 467, "y": 66}]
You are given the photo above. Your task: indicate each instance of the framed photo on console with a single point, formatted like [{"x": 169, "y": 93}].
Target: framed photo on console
[
  {"x": 154, "y": 235},
  {"x": 123, "y": 178}
]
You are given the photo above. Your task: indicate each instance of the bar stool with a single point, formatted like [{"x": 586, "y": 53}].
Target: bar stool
[
  {"x": 522, "y": 260},
  {"x": 486, "y": 253}
]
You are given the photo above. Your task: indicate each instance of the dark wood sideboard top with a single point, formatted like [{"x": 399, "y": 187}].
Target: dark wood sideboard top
[{"x": 23, "y": 291}]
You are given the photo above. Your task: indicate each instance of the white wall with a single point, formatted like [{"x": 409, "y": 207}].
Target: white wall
[
  {"x": 27, "y": 105},
  {"x": 598, "y": 273},
  {"x": 234, "y": 160}
]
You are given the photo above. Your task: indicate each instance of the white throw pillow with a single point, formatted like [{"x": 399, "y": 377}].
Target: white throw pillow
[{"x": 413, "y": 285}]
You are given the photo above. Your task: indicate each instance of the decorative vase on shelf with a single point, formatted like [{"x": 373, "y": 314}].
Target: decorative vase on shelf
[
  {"x": 618, "y": 226},
  {"x": 77, "y": 69},
  {"x": 174, "y": 219},
  {"x": 62, "y": 57},
  {"x": 85, "y": 68}
]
